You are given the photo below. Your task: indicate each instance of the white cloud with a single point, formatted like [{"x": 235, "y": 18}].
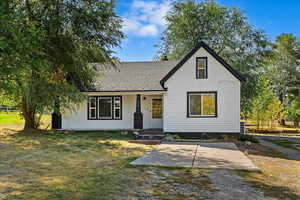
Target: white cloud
[{"x": 146, "y": 18}]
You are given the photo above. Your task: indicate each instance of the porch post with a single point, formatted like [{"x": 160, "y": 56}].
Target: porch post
[
  {"x": 56, "y": 116},
  {"x": 138, "y": 115}
]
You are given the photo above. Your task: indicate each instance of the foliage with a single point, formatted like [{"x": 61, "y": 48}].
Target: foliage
[
  {"x": 46, "y": 51},
  {"x": 251, "y": 138},
  {"x": 266, "y": 106},
  {"x": 294, "y": 110},
  {"x": 283, "y": 67},
  {"x": 225, "y": 29}
]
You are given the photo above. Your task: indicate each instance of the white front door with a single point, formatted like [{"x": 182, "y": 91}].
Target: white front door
[{"x": 156, "y": 113}]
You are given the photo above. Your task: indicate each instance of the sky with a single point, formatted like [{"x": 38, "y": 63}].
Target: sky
[{"x": 143, "y": 22}]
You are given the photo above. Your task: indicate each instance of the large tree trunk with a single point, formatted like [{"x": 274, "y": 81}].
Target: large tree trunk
[
  {"x": 282, "y": 122},
  {"x": 29, "y": 115}
]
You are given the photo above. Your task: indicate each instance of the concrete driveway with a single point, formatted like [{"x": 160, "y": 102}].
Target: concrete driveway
[{"x": 221, "y": 155}]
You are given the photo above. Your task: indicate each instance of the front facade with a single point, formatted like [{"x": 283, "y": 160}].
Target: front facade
[{"x": 199, "y": 94}]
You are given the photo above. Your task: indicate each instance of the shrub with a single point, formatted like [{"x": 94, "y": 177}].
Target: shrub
[{"x": 251, "y": 138}]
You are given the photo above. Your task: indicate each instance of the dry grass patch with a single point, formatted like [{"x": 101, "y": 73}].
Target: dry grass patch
[
  {"x": 84, "y": 165},
  {"x": 280, "y": 177},
  {"x": 48, "y": 165}
]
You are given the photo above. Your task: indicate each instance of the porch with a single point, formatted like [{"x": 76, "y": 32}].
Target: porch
[{"x": 122, "y": 110}]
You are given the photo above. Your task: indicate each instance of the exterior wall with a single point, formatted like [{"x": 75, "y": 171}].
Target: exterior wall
[
  {"x": 78, "y": 120},
  {"x": 184, "y": 80}
]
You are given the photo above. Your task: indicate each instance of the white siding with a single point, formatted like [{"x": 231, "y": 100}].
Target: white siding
[
  {"x": 78, "y": 120},
  {"x": 184, "y": 80}
]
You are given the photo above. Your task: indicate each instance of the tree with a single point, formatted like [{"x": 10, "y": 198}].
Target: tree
[
  {"x": 294, "y": 111},
  {"x": 266, "y": 105},
  {"x": 47, "y": 48},
  {"x": 283, "y": 67},
  {"x": 224, "y": 29}
]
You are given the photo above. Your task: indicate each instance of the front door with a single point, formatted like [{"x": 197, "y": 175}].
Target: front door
[{"x": 156, "y": 120}]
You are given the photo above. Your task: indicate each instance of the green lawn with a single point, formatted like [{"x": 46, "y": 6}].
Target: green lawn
[{"x": 10, "y": 118}]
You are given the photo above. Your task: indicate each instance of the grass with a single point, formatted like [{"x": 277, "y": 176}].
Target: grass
[
  {"x": 280, "y": 177},
  {"x": 72, "y": 165},
  {"x": 85, "y": 165},
  {"x": 10, "y": 118}
]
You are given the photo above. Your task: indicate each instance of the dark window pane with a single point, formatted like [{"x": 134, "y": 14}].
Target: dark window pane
[
  {"x": 105, "y": 106},
  {"x": 195, "y": 104},
  {"x": 92, "y": 113},
  {"x": 93, "y": 102},
  {"x": 117, "y": 113},
  {"x": 201, "y": 73}
]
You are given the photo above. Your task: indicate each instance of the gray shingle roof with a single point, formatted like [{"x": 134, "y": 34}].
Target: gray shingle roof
[{"x": 130, "y": 76}]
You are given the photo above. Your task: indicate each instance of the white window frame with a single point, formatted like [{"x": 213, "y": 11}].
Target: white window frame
[
  {"x": 115, "y": 108},
  {"x": 205, "y": 68},
  {"x": 111, "y": 107},
  {"x": 92, "y": 108},
  {"x": 201, "y": 94}
]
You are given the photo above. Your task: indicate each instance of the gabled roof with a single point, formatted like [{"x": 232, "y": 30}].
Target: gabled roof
[
  {"x": 191, "y": 53},
  {"x": 132, "y": 76}
]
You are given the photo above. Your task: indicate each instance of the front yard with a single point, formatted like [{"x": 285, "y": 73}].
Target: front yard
[{"x": 95, "y": 165}]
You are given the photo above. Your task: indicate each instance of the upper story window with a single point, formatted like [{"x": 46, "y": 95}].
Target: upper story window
[
  {"x": 201, "y": 67},
  {"x": 105, "y": 107},
  {"x": 202, "y": 104}
]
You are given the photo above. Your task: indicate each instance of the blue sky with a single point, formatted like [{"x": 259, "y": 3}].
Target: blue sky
[{"x": 144, "y": 22}]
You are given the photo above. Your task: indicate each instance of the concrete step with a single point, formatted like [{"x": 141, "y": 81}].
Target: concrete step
[
  {"x": 151, "y": 131},
  {"x": 150, "y": 136}
]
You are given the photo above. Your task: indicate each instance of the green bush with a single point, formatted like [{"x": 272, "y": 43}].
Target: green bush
[{"x": 251, "y": 138}]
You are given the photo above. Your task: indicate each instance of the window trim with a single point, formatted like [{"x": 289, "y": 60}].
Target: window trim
[
  {"x": 202, "y": 116},
  {"x": 206, "y": 73},
  {"x": 112, "y": 108}
]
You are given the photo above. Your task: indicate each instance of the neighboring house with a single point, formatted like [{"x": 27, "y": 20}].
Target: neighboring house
[{"x": 198, "y": 94}]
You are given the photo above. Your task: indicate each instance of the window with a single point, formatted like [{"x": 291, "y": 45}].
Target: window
[
  {"x": 92, "y": 108},
  {"x": 156, "y": 108},
  {"x": 105, "y": 107},
  {"x": 117, "y": 107},
  {"x": 202, "y": 104},
  {"x": 201, "y": 67}
]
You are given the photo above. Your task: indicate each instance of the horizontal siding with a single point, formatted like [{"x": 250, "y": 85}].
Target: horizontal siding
[
  {"x": 78, "y": 120},
  {"x": 220, "y": 80}
]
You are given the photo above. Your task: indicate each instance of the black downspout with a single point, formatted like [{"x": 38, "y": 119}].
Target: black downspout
[{"x": 138, "y": 115}]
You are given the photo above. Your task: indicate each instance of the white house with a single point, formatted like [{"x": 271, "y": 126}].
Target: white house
[{"x": 198, "y": 94}]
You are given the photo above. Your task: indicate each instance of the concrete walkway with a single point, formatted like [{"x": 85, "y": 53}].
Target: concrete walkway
[
  {"x": 290, "y": 153},
  {"x": 197, "y": 155}
]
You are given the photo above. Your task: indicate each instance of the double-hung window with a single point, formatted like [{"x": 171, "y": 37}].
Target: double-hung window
[
  {"x": 105, "y": 107},
  {"x": 202, "y": 104},
  {"x": 201, "y": 67},
  {"x": 92, "y": 108}
]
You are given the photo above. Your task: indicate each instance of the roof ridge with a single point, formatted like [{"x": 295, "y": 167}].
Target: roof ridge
[{"x": 154, "y": 61}]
